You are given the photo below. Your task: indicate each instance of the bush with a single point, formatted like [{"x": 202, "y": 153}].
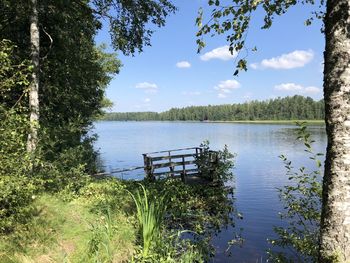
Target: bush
[
  {"x": 66, "y": 173},
  {"x": 215, "y": 165},
  {"x": 172, "y": 247},
  {"x": 104, "y": 194},
  {"x": 302, "y": 201},
  {"x": 16, "y": 196},
  {"x": 17, "y": 186}
]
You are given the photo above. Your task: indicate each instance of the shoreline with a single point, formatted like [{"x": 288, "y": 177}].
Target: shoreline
[{"x": 238, "y": 121}]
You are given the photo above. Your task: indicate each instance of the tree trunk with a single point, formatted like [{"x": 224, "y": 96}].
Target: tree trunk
[
  {"x": 34, "y": 85},
  {"x": 335, "y": 220}
]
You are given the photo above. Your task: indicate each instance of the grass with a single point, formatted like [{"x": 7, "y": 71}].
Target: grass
[
  {"x": 150, "y": 214},
  {"x": 101, "y": 224},
  {"x": 61, "y": 231}
]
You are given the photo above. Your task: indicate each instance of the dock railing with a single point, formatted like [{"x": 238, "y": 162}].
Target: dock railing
[{"x": 173, "y": 163}]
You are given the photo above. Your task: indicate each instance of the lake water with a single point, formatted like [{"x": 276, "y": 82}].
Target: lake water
[{"x": 258, "y": 170}]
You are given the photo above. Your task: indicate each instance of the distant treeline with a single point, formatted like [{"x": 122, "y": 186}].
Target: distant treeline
[{"x": 288, "y": 108}]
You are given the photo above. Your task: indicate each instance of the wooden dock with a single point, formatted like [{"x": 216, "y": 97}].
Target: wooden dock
[
  {"x": 178, "y": 163},
  {"x": 174, "y": 163}
]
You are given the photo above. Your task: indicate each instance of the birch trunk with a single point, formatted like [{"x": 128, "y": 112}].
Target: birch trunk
[
  {"x": 34, "y": 85},
  {"x": 335, "y": 220}
]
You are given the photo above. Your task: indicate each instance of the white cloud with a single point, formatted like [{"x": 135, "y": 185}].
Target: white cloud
[
  {"x": 146, "y": 100},
  {"x": 222, "y": 96},
  {"x": 226, "y": 86},
  {"x": 222, "y": 53},
  {"x": 295, "y": 59},
  {"x": 191, "y": 93},
  {"x": 289, "y": 87},
  {"x": 312, "y": 90},
  {"x": 147, "y": 87},
  {"x": 292, "y": 87},
  {"x": 183, "y": 64}
]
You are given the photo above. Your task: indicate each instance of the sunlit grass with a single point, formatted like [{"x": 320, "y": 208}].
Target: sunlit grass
[
  {"x": 61, "y": 232},
  {"x": 150, "y": 214}
]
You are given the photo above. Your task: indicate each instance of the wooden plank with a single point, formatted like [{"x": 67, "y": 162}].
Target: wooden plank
[
  {"x": 171, "y": 164},
  {"x": 179, "y": 176},
  {"x": 175, "y": 150},
  {"x": 176, "y": 156},
  {"x": 126, "y": 169},
  {"x": 176, "y": 172}
]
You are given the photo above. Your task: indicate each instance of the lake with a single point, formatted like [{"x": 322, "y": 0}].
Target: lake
[{"x": 258, "y": 170}]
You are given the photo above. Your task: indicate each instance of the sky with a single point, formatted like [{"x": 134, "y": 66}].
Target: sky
[{"x": 171, "y": 73}]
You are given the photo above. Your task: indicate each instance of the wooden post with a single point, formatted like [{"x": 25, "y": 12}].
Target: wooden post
[
  {"x": 147, "y": 169},
  {"x": 198, "y": 164},
  {"x": 151, "y": 168},
  {"x": 171, "y": 167},
  {"x": 183, "y": 174},
  {"x": 183, "y": 165},
  {"x": 214, "y": 160}
]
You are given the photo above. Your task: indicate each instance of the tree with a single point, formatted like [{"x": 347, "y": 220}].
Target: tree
[
  {"x": 335, "y": 220},
  {"x": 255, "y": 110},
  {"x": 235, "y": 18},
  {"x": 73, "y": 73},
  {"x": 34, "y": 85}
]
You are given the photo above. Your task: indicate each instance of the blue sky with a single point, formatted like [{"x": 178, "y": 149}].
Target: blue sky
[{"x": 170, "y": 73}]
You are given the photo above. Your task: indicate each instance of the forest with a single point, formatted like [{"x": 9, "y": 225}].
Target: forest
[{"x": 288, "y": 108}]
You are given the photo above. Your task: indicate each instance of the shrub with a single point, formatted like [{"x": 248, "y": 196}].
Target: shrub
[
  {"x": 16, "y": 196},
  {"x": 17, "y": 185},
  {"x": 172, "y": 247},
  {"x": 66, "y": 173},
  {"x": 215, "y": 165},
  {"x": 302, "y": 201},
  {"x": 107, "y": 193}
]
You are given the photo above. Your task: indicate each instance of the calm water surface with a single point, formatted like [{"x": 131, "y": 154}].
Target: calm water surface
[{"x": 258, "y": 170}]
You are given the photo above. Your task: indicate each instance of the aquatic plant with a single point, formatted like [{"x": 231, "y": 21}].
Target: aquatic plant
[{"x": 150, "y": 215}]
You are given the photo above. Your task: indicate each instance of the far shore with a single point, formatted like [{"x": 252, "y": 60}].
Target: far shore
[
  {"x": 318, "y": 122},
  {"x": 272, "y": 121}
]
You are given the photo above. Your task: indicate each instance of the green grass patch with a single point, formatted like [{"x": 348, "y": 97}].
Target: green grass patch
[
  {"x": 101, "y": 223},
  {"x": 62, "y": 231}
]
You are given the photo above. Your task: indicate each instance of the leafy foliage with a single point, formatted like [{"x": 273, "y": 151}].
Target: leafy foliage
[
  {"x": 215, "y": 166},
  {"x": 128, "y": 21},
  {"x": 234, "y": 21},
  {"x": 73, "y": 72},
  {"x": 302, "y": 202},
  {"x": 194, "y": 213},
  {"x": 16, "y": 197},
  {"x": 173, "y": 247},
  {"x": 17, "y": 188},
  {"x": 103, "y": 196}
]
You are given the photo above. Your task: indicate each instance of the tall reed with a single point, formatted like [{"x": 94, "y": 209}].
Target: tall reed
[{"x": 150, "y": 215}]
